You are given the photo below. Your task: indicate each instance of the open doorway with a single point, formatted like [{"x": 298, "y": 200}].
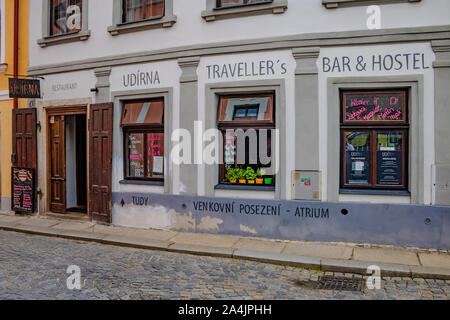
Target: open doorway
[{"x": 68, "y": 163}]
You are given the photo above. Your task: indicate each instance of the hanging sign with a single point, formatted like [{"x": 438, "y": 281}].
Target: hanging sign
[
  {"x": 24, "y": 88},
  {"x": 22, "y": 185}
]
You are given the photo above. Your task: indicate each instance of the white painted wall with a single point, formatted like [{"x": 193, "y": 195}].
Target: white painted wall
[
  {"x": 302, "y": 16},
  {"x": 279, "y": 57},
  {"x": 428, "y": 102}
]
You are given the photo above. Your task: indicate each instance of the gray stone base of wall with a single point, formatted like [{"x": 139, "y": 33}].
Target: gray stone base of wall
[{"x": 5, "y": 204}]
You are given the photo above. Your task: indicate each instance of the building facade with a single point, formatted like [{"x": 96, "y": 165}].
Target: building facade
[
  {"x": 348, "y": 123},
  {"x": 13, "y": 61}
]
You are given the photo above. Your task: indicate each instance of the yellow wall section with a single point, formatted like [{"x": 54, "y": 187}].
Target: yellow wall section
[{"x": 7, "y": 105}]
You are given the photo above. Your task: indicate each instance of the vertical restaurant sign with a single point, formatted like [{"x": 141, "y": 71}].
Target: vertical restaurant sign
[{"x": 23, "y": 192}]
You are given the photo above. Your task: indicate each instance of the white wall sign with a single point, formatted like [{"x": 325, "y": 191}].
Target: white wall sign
[
  {"x": 404, "y": 61},
  {"x": 151, "y": 75},
  {"x": 68, "y": 85}
]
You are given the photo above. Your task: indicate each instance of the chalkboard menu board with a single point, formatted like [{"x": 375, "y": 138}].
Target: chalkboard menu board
[
  {"x": 385, "y": 106},
  {"x": 23, "y": 189}
]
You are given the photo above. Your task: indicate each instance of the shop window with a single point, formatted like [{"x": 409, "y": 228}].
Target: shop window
[
  {"x": 222, "y": 9},
  {"x": 137, "y": 10},
  {"x": 143, "y": 128},
  {"x": 64, "y": 21},
  {"x": 246, "y": 123},
  {"x": 374, "y": 140},
  {"x": 137, "y": 15}
]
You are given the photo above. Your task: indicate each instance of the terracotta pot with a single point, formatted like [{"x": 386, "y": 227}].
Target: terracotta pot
[
  {"x": 259, "y": 181},
  {"x": 242, "y": 181},
  {"x": 251, "y": 181},
  {"x": 233, "y": 181}
]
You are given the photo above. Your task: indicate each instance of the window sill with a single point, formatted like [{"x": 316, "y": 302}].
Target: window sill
[
  {"x": 225, "y": 13},
  {"x": 244, "y": 187},
  {"x": 376, "y": 192},
  {"x": 64, "y": 38},
  {"x": 333, "y": 4},
  {"x": 164, "y": 22},
  {"x": 146, "y": 183}
]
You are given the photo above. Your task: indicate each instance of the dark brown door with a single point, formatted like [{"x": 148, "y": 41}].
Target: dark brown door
[
  {"x": 24, "y": 138},
  {"x": 57, "y": 156},
  {"x": 100, "y": 161}
]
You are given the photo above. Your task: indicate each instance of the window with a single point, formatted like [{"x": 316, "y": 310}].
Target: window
[
  {"x": 374, "y": 136},
  {"x": 222, "y": 9},
  {"x": 137, "y": 15},
  {"x": 231, "y": 3},
  {"x": 65, "y": 16},
  {"x": 143, "y": 127},
  {"x": 64, "y": 21},
  {"x": 332, "y": 4},
  {"x": 246, "y": 123},
  {"x": 136, "y": 10}
]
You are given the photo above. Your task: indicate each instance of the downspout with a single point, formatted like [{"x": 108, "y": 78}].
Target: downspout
[{"x": 16, "y": 47}]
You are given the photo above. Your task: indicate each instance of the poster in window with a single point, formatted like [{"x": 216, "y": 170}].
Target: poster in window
[
  {"x": 389, "y": 158},
  {"x": 374, "y": 106},
  {"x": 136, "y": 155},
  {"x": 357, "y": 158},
  {"x": 155, "y": 157}
]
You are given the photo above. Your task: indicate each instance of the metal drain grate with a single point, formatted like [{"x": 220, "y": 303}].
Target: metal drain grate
[{"x": 339, "y": 283}]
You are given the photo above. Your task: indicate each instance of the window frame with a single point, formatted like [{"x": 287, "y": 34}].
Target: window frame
[
  {"x": 49, "y": 40},
  {"x": 121, "y": 27},
  {"x": 372, "y": 127},
  {"x": 222, "y": 126},
  {"x": 3, "y": 64},
  {"x": 333, "y": 4},
  {"x": 144, "y": 129},
  {"x": 213, "y": 12}
]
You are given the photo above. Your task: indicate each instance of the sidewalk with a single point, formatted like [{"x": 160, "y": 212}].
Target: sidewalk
[{"x": 334, "y": 257}]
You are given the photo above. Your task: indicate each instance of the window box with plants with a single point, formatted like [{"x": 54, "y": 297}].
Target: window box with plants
[{"x": 247, "y": 176}]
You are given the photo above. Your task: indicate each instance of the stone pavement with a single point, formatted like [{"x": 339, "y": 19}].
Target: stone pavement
[
  {"x": 35, "y": 267},
  {"x": 332, "y": 257}
]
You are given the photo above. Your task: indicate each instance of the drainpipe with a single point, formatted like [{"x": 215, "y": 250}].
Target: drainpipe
[{"x": 16, "y": 46}]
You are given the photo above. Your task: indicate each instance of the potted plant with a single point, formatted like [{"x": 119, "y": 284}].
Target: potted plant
[
  {"x": 241, "y": 175},
  {"x": 250, "y": 175},
  {"x": 268, "y": 180},
  {"x": 259, "y": 174},
  {"x": 231, "y": 175}
]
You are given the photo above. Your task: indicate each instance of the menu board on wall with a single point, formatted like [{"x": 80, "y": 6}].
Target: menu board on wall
[
  {"x": 23, "y": 189},
  {"x": 374, "y": 106},
  {"x": 357, "y": 167}
]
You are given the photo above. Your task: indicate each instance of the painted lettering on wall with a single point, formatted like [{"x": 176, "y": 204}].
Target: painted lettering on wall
[
  {"x": 246, "y": 69},
  {"x": 64, "y": 86},
  {"x": 374, "y": 63},
  {"x": 140, "y": 78}
]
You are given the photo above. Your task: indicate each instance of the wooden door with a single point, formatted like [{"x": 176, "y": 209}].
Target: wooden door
[
  {"x": 57, "y": 156},
  {"x": 24, "y": 138},
  {"x": 100, "y": 161}
]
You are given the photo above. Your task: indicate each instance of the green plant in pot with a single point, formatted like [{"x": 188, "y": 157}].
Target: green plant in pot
[
  {"x": 267, "y": 180},
  {"x": 232, "y": 175},
  {"x": 259, "y": 179},
  {"x": 250, "y": 175},
  {"x": 241, "y": 175}
]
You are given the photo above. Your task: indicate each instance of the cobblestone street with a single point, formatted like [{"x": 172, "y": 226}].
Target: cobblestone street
[{"x": 34, "y": 267}]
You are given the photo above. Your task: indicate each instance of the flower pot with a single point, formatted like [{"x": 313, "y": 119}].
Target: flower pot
[
  {"x": 242, "y": 181},
  {"x": 233, "y": 181},
  {"x": 251, "y": 181},
  {"x": 268, "y": 180},
  {"x": 259, "y": 181}
]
